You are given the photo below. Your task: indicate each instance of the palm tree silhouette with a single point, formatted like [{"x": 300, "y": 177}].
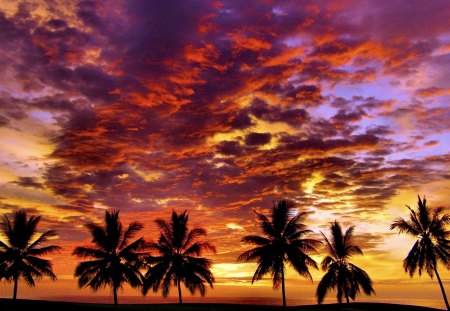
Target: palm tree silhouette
[
  {"x": 432, "y": 245},
  {"x": 177, "y": 259},
  {"x": 285, "y": 243},
  {"x": 21, "y": 252},
  {"x": 340, "y": 273},
  {"x": 114, "y": 259}
]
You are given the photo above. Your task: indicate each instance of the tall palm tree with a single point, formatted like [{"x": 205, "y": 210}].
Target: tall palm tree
[
  {"x": 178, "y": 258},
  {"x": 432, "y": 245},
  {"x": 21, "y": 251},
  {"x": 340, "y": 273},
  {"x": 285, "y": 242},
  {"x": 113, "y": 258}
]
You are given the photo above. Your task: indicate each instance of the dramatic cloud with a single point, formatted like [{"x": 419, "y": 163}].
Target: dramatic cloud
[{"x": 222, "y": 107}]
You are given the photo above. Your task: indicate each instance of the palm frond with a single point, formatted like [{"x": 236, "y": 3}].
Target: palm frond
[
  {"x": 198, "y": 247},
  {"x": 4, "y": 246},
  {"x": 262, "y": 269},
  {"x": 301, "y": 262},
  {"x": 135, "y": 246},
  {"x": 330, "y": 248},
  {"x": 130, "y": 233},
  {"x": 99, "y": 236},
  {"x": 327, "y": 283},
  {"x": 404, "y": 226},
  {"x": 410, "y": 263},
  {"x": 280, "y": 215},
  {"x": 255, "y": 239},
  {"x": 89, "y": 252},
  {"x": 326, "y": 262},
  {"x": 192, "y": 235},
  {"x": 255, "y": 254},
  {"x": 44, "y": 237},
  {"x": 43, "y": 250},
  {"x": 266, "y": 225},
  {"x": 361, "y": 278}
]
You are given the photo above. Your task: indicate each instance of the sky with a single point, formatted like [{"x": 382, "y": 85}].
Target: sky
[{"x": 221, "y": 108}]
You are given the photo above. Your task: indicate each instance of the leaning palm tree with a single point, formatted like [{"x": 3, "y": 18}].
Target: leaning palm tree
[
  {"x": 178, "y": 258},
  {"x": 285, "y": 242},
  {"x": 113, "y": 258},
  {"x": 432, "y": 245},
  {"x": 340, "y": 274},
  {"x": 21, "y": 252}
]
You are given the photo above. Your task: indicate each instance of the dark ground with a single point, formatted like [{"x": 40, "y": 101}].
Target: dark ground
[{"x": 40, "y": 305}]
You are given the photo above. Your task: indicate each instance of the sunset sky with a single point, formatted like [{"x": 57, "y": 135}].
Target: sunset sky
[{"x": 220, "y": 108}]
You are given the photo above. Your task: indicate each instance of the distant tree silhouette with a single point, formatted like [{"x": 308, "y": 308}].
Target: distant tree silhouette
[
  {"x": 432, "y": 245},
  {"x": 114, "y": 259},
  {"x": 340, "y": 274},
  {"x": 178, "y": 258},
  {"x": 284, "y": 242},
  {"x": 21, "y": 252}
]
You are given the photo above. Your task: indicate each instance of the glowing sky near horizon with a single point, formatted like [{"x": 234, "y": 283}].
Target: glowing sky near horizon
[{"x": 220, "y": 108}]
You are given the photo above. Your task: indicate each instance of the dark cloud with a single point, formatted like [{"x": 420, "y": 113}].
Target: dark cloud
[
  {"x": 28, "y": 182},
  {"x": 309, "y": 94},
  {"x": 346, "y": 117},
  {"x": 230, "y": 148},
  {"x": 257, "y": 139}
]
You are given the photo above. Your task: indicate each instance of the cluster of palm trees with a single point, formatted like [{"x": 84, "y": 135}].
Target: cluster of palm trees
[
  {"x": 115, "y": 257},
  {"x": 175, "y": 259},
  {"x": 286, "y": 242}
]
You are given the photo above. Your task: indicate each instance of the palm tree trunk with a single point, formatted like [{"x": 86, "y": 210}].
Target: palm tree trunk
[
  {"x": 339, "y": 293},
  {"x": 16, "y": 281},
  {"x": 115, "y": 295},
  {"x": 442, "y": 288},
  {"x": 180, "y": 300},
  {"x": 282, "y": 286}
]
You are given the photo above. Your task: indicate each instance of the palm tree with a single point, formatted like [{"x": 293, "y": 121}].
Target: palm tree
[
  {"x": 178, "y": 258},
  {"x": 114, "y": 259},
  {"x": 432, "y": 245},
  {"x": 340, "y": 273},
  {"x": 21, "y": 253},
  {"x": 284, "y": 243}
]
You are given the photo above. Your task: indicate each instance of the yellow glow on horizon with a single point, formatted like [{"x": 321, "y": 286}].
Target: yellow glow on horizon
[{"x": 233, "y": 270}]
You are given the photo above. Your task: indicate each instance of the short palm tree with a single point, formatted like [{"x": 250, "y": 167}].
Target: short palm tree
[
  {"x": 432, "y": 244},
  {"x": 21, "y": 252},
  {"x": 178, "y": 258},
  {"x": 114, "y": 259},
  {"x": 340, "y": 274},
  {"x": 284, "y": 242}
]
